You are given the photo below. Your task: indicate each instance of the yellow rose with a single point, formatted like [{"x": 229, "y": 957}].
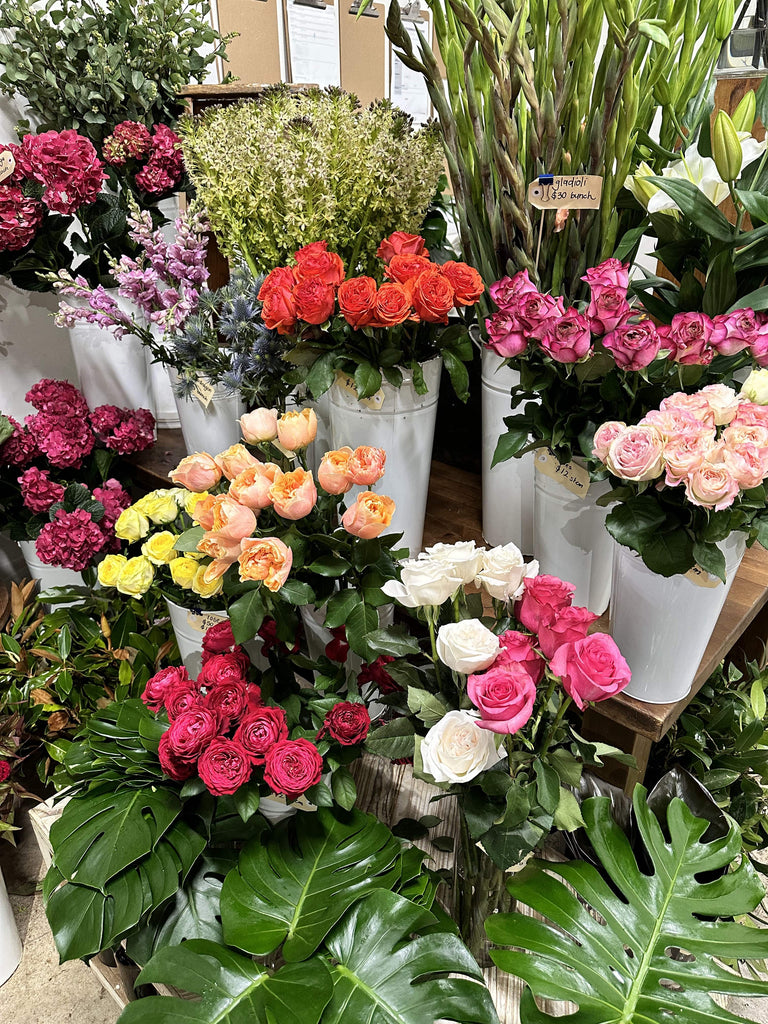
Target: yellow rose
[
  {"x": 110, "y": 568},
  {"x": 183, "y": 571},
  {"x": 160, "y": 506},
  {"x": 191, "y": 498},
  {"x": 136, "y": 576},
  {"x": 204, "y": 588},
  {"x": 159, "y": 548},
  {"x": 131, "y": 524}
]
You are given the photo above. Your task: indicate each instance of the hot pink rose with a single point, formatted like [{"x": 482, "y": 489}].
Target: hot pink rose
[
  {"x": 219, "y": 639},
  {"x": 182, "y": 696},
  {"x": 224, "y": 766},
  {"x": 260, "y": 730},
  {"x": 506, "y": 335},
  {"x": 591, "y": 669},
  {"x": 568, "y": 339},
  {"x": 251, "y": 487},
  {"x": 292, "y": 766},
  {"x": 221, "y": 670},
  {"x": 633, "y": 346},
  {"x": 733, "y": 332},
  {"x": 229, "y": 699},
  {"x": 712, "y": 486},
  {"x": 235, "y": 460},
  {"x": 161, "y": 683},
  {"x": 504, "y": 694},
  {"x": 172, "y": 765},
  {"x": 690, "y": 337},
  {"x": 197, "y": 472},
  {"x": 569, "y": 625},
  {"x": 611, "y": 273},
  {"x": 192, "y": 732},
  {"x": 520, "y": 647},
  {"x": 605, "y": 435},
  {"x": 543, "y": 597},
  {"x": 637, "y": 454}
]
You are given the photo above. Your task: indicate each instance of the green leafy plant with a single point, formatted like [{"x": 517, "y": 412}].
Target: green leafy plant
[{"x": 645, "y": 946}]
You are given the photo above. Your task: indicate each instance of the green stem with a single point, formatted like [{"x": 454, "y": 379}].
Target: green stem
[
  {"x": 431, "y": 614},
  {"x": 553, "y": 728},
  {"x": 543, "y": 708},
  {"x": 455, "y": 601}
]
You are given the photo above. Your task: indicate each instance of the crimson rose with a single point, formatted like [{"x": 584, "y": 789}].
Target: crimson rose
[
  {"x": 191, "y": 733},
  {"x": 224, "y": 766},
  {"x": 260, "y": 730},
  {"x": 292, "y": 766},
  {"x": 347, "y": 722}
]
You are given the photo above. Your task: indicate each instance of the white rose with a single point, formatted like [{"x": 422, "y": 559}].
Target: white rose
[
  {"x": 457, "y": 749},
  {"x": 755, "y": 387},
  {"x": 723, "y": 401},
  {"x": 467, "y": 646},
  {"x": 503, "y": 571},
  {"x": 461, "y": 559},
  {"x": 423, "y": 583}
]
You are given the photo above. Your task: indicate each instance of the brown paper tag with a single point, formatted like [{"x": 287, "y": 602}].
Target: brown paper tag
[
  {"x": 701, "y": 578},
  {"x": 7, "y": 164},
  {"x": 571, "y": 476},
  {"x": 566, "y": 191},
  {"x": 347, "y": 383},
  {"x": 204, "y": 391},
  {"x": 202, "y": 621}
]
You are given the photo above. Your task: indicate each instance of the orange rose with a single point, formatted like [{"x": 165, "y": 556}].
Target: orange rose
[
  {"x": 357, "y": 301},
  {"x": 266, "y": 559},
  {"x": 279, "y": 310},
  {"x": 234, "y": 460},
  {"x": 466, "y": 282},
  {"x": 369, "y": 516},
  {"x": 208, "y": 574},
  {"x": 432, "y": 296},
  {"x": 231, "y": 519},
  {"x": 294, "y": 494},
  {"x": 281, "y": 278},
  {"x": 315, "y": 261},
  {"x": 400, "y": 242},
  {"x": 297, "y": 429},
  {"x": 333, "y": 471},
  {"x": 366, "y": 465},
  {"x": 393, "y": 305},
  {"x": 251, "y": 487},
  {"x": 314, "y": 301},
  {"x": 202, "y": 513},
  {"x": 219, "y": 547},
  {"x": 197, "y": 472},
  {"x": 403, "y": 268}
]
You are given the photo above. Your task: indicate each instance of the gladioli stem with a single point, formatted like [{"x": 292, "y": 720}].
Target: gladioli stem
[
  {"x": 431, "y": 613},
  {"x": 565, "y": 704}
]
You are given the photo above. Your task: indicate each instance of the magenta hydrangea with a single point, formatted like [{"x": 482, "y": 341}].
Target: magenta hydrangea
[
  {"x": 64, "y": 440},
  {"x": 124, "y": 430},
  {"x": 129, "y": 141},
  {"x": 20, "y": 448},
  {"x": 38, "y": 491},
  {"x": 20, "y": 218},
  {"x": 66, "y": 164},
  {"x": 165, "y": 166},
  {"x": 57, "y": 397},
  {"x": 114, "y": 498},
  {"x": 71, "y": 540}
]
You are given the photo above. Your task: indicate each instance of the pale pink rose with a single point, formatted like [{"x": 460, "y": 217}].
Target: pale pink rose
[
  {"x": 197, "y": 472},
  {"x": 674, "y": 423},
  {"x": 739, "y": 434},
  {"x": 712, "y": 486},
  {"x": 683, "y": 454},
  {"x": 611, "y": 273},
  {"x": 637, "y": 454},
  {"x": 749, "y": 414},
  {"x": 508, "y": 290},
  {"x": 733, "y": 332},
  {"x": 251, "y": 487},
  {"x": 747, "y": 464},
  {"x": 723, "y": 401},
  {"x": 506, "y": 335},
  {"x": 568, "y": 339},
  {"x": 235, "y": 460},
  {"x": 605, "y": 435},
  {"x": 690, "y": 335},
  {"x": 608, "y": 308},
  {"x": 633, "y": 346},
  {"x": 697, "y": 405},
  {"x": 231, "y": 519},
  {"x": 259, "y": 425},
  {"x": 297, "y": 429}
]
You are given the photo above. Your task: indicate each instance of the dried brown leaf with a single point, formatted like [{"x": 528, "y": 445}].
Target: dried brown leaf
[
  {"x": 58, "y": 721},
  {"x": 40, "y": 696}
]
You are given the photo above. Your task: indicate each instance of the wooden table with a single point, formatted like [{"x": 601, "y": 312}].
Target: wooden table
[{"x": 453, "y": 514}]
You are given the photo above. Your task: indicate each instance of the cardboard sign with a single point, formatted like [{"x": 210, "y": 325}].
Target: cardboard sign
[
  {"x": 571, "y": 475},
  {"x": 566, "y": 191},
  {"x": 701, "y": 578},
  {"x": 203, "y": 391},
  {"x": 347, "y": 383},
  {"x": 202, "y": 621},
  {"x": 7, "y": 164}
]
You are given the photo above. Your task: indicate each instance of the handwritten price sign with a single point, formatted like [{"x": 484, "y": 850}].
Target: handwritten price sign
[
  {"x": 570, "y": 475},
  {"x": 566, "y": 191}
]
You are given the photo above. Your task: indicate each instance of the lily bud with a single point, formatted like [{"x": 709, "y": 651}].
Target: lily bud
[
  {"x": 744, "y": 115},
  {"x": 726, "y": 148},
  {"x": 640, "y": 188},
  {"x": 724, "y": 20}
]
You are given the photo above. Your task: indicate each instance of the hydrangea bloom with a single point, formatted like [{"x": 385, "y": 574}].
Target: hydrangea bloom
[
  {"x": 20, "y": 218},
  {"x": 129, "y": 141},
  {"x": 38, "y": 491},
  {"x": 66, "y": 164},
  {"x": 70, "y": 540}
]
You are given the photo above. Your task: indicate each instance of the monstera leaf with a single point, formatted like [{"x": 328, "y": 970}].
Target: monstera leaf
[
  {"x": 234, "y": 989},
  {"x": 382, "y": 974},
  {"x": 648, "y": 956},
  {"x": 293, "y": 886}
]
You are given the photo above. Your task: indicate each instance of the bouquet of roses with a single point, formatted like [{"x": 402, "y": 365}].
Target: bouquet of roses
[
  {"x": 153, "y": 160},
  {"x": 688, "y": 475},
  {"x": 369, "y": 329},
  {"x": 54, "y": 473},
  {"x": 577, "y": 363}
]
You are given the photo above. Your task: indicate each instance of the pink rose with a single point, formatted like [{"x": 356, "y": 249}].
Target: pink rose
[
  {"x": 749, "y": 414},
  {"x": 161, "y": 683},
  {"x": 683, "y": 455},
  {"x": 224, "y": 766},
  {"x": 568, "y": 339},
  {"x": 229, "y": 700},
  {"x": 633, "y": 346},
  {"x": 739, "y": 434},
  {"x": 521, "y": 648},
  {"x": 690, "y": 338},
  {"x": 251, "y": 487},
  {"x": 366, "y": 465},
  {"x": 504, "y": 694},
  {"x": 182, "y": 696},
  {"x": 570, "y": 624},
  {"x": 591, "y": 669},
  {"x": 759, "y": 347},
  {"x": 192, "y": 732},
  {"x": 220, "y": 547},
  {"x": 235, "y": 460},
  {"x": 219, "y": 639},
  {"x": 259, "y": 425},
  {"x": 712, "y": 486},
  {"x": 608, "y": 309},
  {"x": 604, "y": 437},
  {"x": 232, "y": 520},
  {"x": 536, "y": 312},
  {"x": 221, "y": 670},
  {"x": 672, "y": 421},
  {"x": 197, "y": 472},
  {"x": 506, "y": 292},
  {"x": 292, "y": 766},
  {"x": 722, "y": 400},
  {"x": 611, "y": 273},
  {"x": 733, "y": 332},
  {"x": 543, "y": 597},
  {"x": 506, "y": 335},
  {"x": 748, "y": 465},
  {"x": 637, "y": 454},
  {"x": 172, "y": 765}
]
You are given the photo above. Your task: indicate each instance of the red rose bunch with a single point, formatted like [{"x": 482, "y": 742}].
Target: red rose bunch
[{"x": 160, "y": 152}]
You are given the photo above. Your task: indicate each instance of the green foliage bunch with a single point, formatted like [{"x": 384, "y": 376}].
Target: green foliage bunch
[{"x": 295, "y": 167}]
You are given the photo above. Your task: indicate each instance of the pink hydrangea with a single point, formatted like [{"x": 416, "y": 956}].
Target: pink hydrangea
[
  {"x": 57, "y": 397},
  {"x": 129, "y": 141},
  {"x": 67, "y": 165},
  {"x": 165, "y": 165},
  {"x": 70, "y": 540},
  {"x": 20, "y": 448},
  {"x": 106, "y": 418},
  {"x": 135, "y": 432},
  {"x": 38, "y": 491},
  {"x": 114, "y": 499},
  {"x": 64, "y": 440},
  {"x": 20, "y": 218}
]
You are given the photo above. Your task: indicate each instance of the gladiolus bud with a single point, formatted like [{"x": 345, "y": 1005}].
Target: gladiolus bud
[
  {"x": 726, "y": 148},
  {"x": 724, "y": 20},
  {"x": 661, "y": 92},
  {"x": 744, "y": 115}
]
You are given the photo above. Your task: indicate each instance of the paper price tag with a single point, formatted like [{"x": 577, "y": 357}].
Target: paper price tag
[
  {"x": 701, "y": 578},
  {"x": 202, "y": 621},
  {"x": 569, "y": 191},
  {"x": 203, "y": 391},
  {"x": 571, "y": 476},
  {"x": 347, "y": 383},
  {"x": 7, "y": 164},
  {"x": 283, "y": 450}
]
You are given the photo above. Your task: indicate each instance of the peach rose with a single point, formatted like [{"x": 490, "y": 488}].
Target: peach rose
[
  {"x": 604, "y": 436},
  {"x": 684, "y": 454},
  {"x": 234, "y": 460},
  {"x": 208, "y": 574},
  {"x": 712, "y": 486},
  {"x": 369, "y": 516},
  {"x": 202, "y": 512},
  {"x": 294, "y": 494},
  {"x": 747, "y": 465},
  {"x": 723, "y": 401},
  {"x": 750, "y": 414},
  {"x": 219, "y": 547},
  {"x": 231, "y": 519},
  {"x": 198, "y": 472},
  {"x": 251, "y": 487},
  {"x": 266, "y": 559},
  {"x": 259, "y": 425},
  {"x": 333, "y": 471},
  {"x": 637, "y": 454},
  {"x": 697, "y": 405},
  {"x": 297, "y": 429},
  {"x": 366, "y": 465},
  {"x": 740, "y": 434}
]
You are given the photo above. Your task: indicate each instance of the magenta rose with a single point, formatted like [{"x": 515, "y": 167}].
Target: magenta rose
[
  {"x": 591, "y": 669},
  {"x": 173, "y": 767},
  {"x": 192, "y": 732},
  {"x": 733, "y": 332},
  {"x": 180, "y": 697},
  {"x": 70, "y": 540},
  {"x": 219, "y": 639},
  {"x": 347, "y": 722},
  {"x": 504, "y": 694},
  {"x": 219, "y": 669},
  {"x": 568, "y": 339},
  {"x": 611, "y": 273},
  {"x": 633, "y": 346},
  {"x": 608, "y": 308},
  {"x": 537, "y": 312},
  {"x": 570, "y": 624},
  {"x": 38, "y": 491},
  {"x": 506, "y": 292},
  {"x": 543, "y": 597},
  {"x": 520, "y": 647},
  {"x": 260, "y": 730},
  {"x": 224, "y": 766},
  {"x": 759, "y": 347},
  {"x": 161, "y": 683},
  {"x": 229, "y": 700},
  {"x": 506, "y": 335},
  {"x": 292, "y": 766},
  {"x": 690, "y": 337}
]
